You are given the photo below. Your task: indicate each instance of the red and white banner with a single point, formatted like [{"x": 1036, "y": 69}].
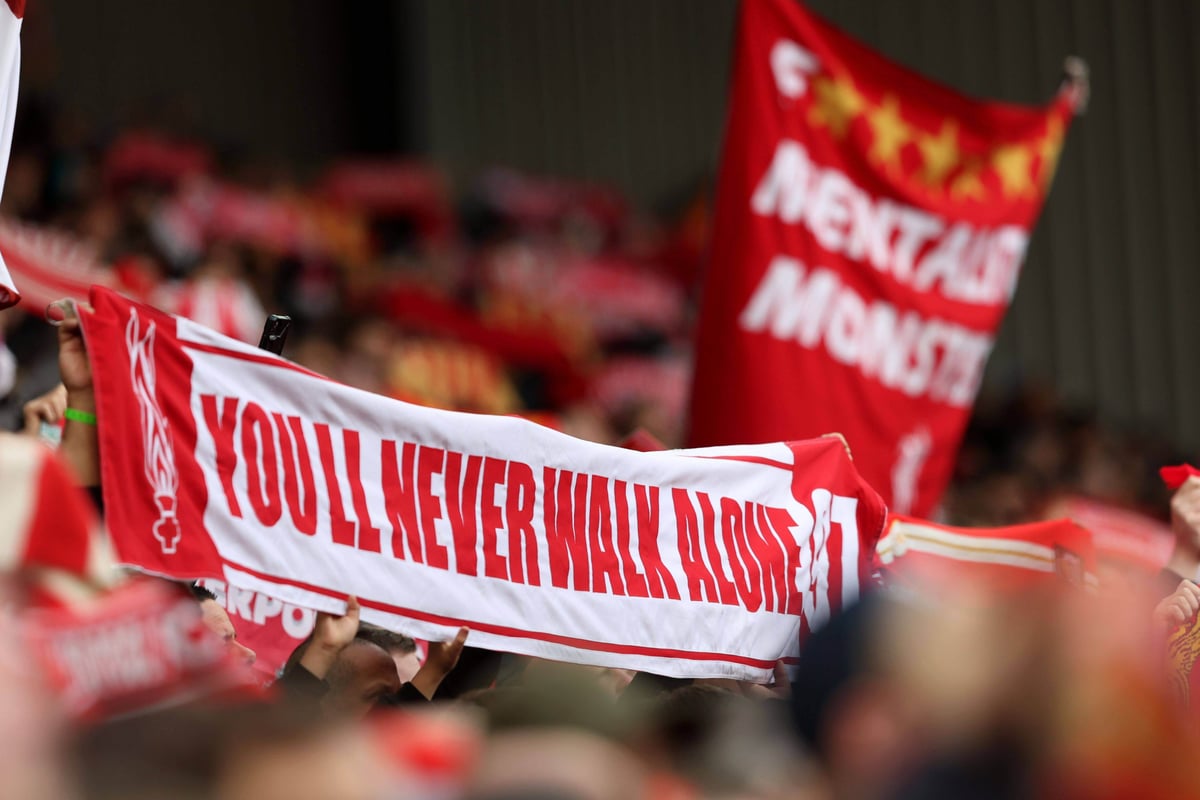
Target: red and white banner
[
  {"x": 50, "y": 264},
  {"x": 221, "y": 461},
  {"x": 11, "y": 14},
  {"x": 869, "y": 228},
  {"x": 924, "y": 556},
  {"x": 269, "y": 627},
  {"x": 1120, "y": 534},
  {"x": 142, "y": 646}
]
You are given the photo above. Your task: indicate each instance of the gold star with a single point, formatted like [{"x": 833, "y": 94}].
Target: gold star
[
  {"x": 837, "y": 103},
  {"x": 890, "y": 132},
  {"x": 1013, "y": 163},
  {"x": 940, "y": 153},
  {"x": 969, "y": 182},
  {"x": 1049, "y": 149}
]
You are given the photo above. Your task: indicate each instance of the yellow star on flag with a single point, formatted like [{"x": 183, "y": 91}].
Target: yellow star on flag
[
  {"x": 1014, "y": 165},
  {"x": 837, "y": 103},
  {"x": 1049, "y": 149},
  {"x": 969, "y": 182},
  {"x": 940, "y": 153},
  {"x": 890, "y": 132}
]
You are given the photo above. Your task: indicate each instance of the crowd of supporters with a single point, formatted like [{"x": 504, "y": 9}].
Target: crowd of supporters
[{"x": 558, "y": 300}]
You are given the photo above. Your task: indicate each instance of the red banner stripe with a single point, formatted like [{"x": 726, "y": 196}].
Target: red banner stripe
[{"x": 518, "y": 633}]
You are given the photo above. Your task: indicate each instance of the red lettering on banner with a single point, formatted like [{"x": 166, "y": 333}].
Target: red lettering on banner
[
  {"x": 241, "y": 600},
  {"x": 700, "y": 580},
  {"x": 770, "y": 556},
  {"x": 781, "y": 524},
  {"x": 815, "y": 605},
  {"x": 221, "y": 425},
  {"x": 368, "y": 534},
  {"x": 566, "y": 538},
  {"x": 731, "y": 554},
  {"x": 745, "y": 574},
  {"x": 297, "y": 473},
  {"x": 262, "y": 471},
  {"x": 658, "y": 577},
  {"x": 429, "y": 463},
  {"x": 600, "y": 539},
  {"x": 708, "y": 513},
  {"x": 518, "y": 511},
  {"x": 615, "y": 537},
  {"x": 494, "y": 564},
  {"x": 341, "y": 528},
  {"x": 400, "y": 499},
  {"x": 462, "y": 490},
  {"x": 634, "y": 580}
]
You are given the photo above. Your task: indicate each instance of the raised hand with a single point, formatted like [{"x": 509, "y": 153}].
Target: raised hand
[
  {"x": 1180, "y": 606},
  {"x": 1185, "y": 511},
  {"x": 442, "y": 657},
  {"x": 80, "y": 446},
  {"x": 331, "y": 634},
  {"x": 47, "y": 408},
  {"x": 73, "y": 363}
]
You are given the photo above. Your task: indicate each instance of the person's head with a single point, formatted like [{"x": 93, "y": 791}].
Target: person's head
[
  {"x": 725, "y": 744},
  {"x": 561, "y": 763},
  {"x": 844, "y": 706},
  {"x": 217, "y": 621},
  {"x": 401, "y": 648},
  {"x": 363, "y": 674}
]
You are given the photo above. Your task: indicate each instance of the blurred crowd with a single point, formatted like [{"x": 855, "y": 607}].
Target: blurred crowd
[
  {"x": 556, "y": 299},
  {"x": 514, "y": 294}
]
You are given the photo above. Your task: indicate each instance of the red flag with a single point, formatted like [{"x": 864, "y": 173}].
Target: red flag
[
  {"x": 142, "y": 646},
  {"x": 870, "y": 225},
  {"x": 1176, "y": 476},
  {"x": 50, "y": 264},
  {"x": 1120, "y": 534},
  {"x": 925, "y": 556}
]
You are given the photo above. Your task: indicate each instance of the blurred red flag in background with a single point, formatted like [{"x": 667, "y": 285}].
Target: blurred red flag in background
[{"x": 870, "y": 225}]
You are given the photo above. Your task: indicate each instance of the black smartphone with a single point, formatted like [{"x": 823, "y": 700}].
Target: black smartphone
[{"x": 275, "y": 333}]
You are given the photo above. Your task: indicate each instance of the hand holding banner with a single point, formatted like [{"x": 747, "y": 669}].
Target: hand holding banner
[{"x": 704, "y": 563}]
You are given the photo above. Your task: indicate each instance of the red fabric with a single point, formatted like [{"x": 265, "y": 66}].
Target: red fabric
[
  {"x": 394, "y": 188},
  {"x": 146, "y": 155},
  {"x": 140, "y": 646},
  {"x": 419, "y": 310},
  {"x": 266, "y": 625},
  {"x": 49, "y": 264},
  {"x": 47, "y": 522},
  {"x": 643, "y": 441},
  {"x": 1177, "y": 476},
  {"x": 869, "y": 226},
  {"x": 119, "y": 408},
  {"x": 206, "y": 444},
  {"x": 926, "y": 555},
  {"x": 17, "y": 7},
  {"x": 61, "y": 523},
  {"x": 1120, "y": 534}
]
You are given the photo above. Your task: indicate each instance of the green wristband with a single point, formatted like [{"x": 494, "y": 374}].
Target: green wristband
[{"x": 80, "y": 416}]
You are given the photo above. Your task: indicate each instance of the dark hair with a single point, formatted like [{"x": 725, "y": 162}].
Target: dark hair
[
  {"x": 201, "y": 593},
  {"x": 390, "y": 641}
]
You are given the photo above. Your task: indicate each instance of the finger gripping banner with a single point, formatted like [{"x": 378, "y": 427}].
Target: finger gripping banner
[{"x": 222, "y": 461}]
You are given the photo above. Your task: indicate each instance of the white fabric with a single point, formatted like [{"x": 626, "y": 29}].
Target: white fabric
[
  {"x": 687, "y": 637},
  {"x": 10, "y": 69}
]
